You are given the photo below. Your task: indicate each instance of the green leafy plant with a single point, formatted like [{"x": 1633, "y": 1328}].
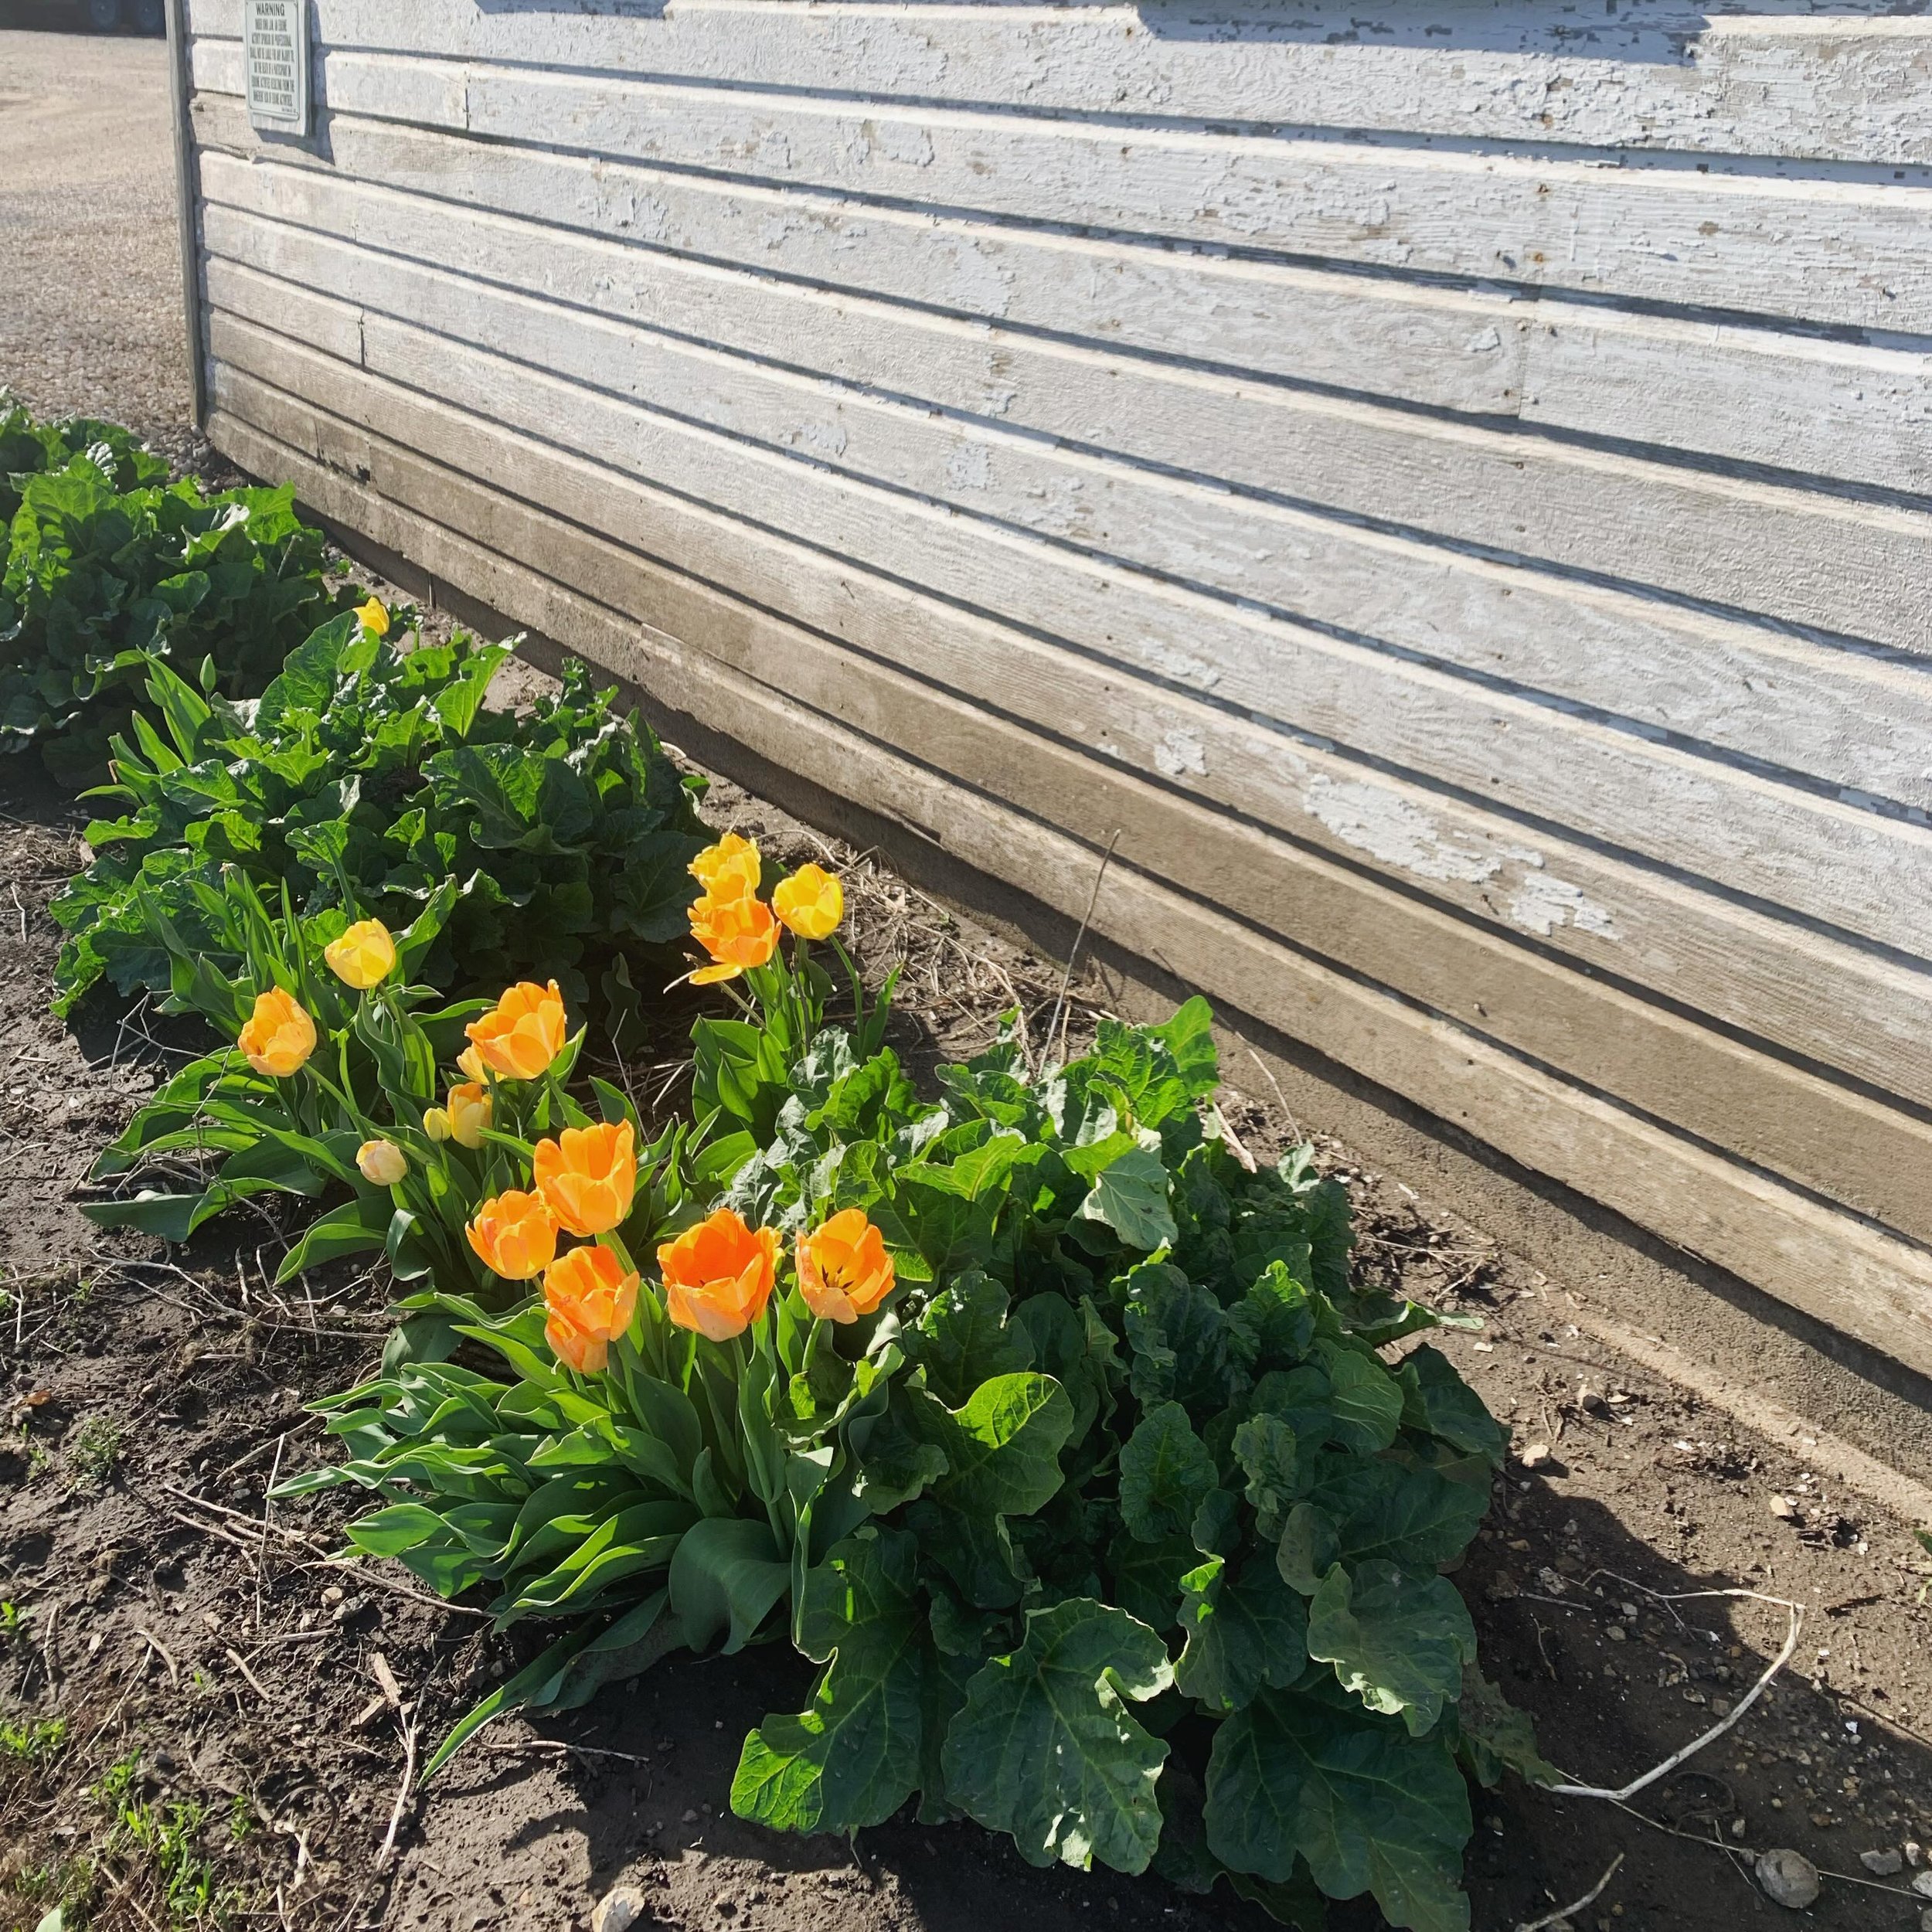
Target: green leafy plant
[
  {"x": 109, "y": 568},
  {"x": 368, "y": 774},
  {"x": 1141, "y": 1523},
  {"x": 33, "y": 1741},
  {"x": 166, "y": 1834},
  {"x": 28, "y": 448},
  {"x": 95, "y": 1450}
]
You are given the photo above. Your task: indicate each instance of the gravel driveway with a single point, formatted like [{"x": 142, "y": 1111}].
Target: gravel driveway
[{"x": 90, "y": 309}]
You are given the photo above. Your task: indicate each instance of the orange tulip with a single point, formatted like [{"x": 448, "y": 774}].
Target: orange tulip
[
  {"x": 515, "y": 1234},
  {"x": 468, "y": 1112},
  {"x": 590, "y": 1297},
  {"x": 525, "y": 1031},
  {"x": 736, "y": 933},
  {"x": 844, "y": 1270},
  {"x": 279, "y": 1036},
  {"x": 363, "y": 956},
  {"x": 811, "y": 902},
  {"x": 717, "y": 1275},
  {"x": 587, "y": 1174},
  {"x": 729, "y": 869}
]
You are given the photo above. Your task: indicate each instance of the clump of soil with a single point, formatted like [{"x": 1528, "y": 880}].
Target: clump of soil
[{"x": 209, "y": 1719}]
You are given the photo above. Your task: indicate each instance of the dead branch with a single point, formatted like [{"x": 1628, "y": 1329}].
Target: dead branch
[{"x": 1562, "y": 1913}]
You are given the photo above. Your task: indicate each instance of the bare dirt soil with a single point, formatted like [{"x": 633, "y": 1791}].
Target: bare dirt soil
[{"x": 234, "y": 1707}]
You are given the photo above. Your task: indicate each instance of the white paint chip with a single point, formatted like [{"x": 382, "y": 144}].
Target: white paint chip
[
  {"x": 1543, "y": 904},
  {"x": 969, "y": 466},
  {"x": 1180, "y": 752},
  {"x": 1390, "y": 829}
]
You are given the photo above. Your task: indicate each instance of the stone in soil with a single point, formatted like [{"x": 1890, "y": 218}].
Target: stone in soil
[{"x": 1788, "y": 1877}]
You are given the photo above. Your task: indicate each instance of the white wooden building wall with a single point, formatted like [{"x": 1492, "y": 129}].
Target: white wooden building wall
[{"x": 1450, "y": 491}]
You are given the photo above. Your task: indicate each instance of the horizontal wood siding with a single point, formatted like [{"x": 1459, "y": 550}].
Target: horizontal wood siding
[{"x": 1455, "y": 514}]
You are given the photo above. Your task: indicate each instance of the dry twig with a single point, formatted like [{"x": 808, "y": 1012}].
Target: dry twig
[
  {"x": 241, "y": 1664},
  {"x": 408, "y": 1727},
  {"x": 1717, "y": 1730},
  {"x": 1562, "y": 1913},
  {"x": 1073, "y": 952},
  {"x": 161, "y": 1651}
]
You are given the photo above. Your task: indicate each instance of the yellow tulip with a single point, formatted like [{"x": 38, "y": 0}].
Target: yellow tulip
[
  {"x": 729, "y": 869},
  {"x": 737, "y": 933},
  {"x": 468, "y": 1112},
  {"x": 374, "y": 617},
  {"x": 436, "y": 1123},
  {"x": 589, "y": 1297},
  {"x": 588, "y": 1174},
  {"x": 469, "y": 1063},
  {"x": 844, "y": 1270},
  {"x": 811, "y": 902},
  {"x": 520, "y": 1035},
  {"x": 383, "y": 1162},
  {"x": 363, "y": 956},
  {"x": 279, "y": 1036},
  {"x": 515, "y": 1234}
]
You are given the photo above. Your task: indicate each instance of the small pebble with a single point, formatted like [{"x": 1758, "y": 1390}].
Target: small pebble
[
  {"x": 1881, "y": 1864},
  {"x": 1922, "y": 1885},
  {"x": 618, "y": 1911},
  {"x": 1788, "y": 1877},
  {"x": 1783, "y": 1508},
  {"x": 1534, "y": 1456}
]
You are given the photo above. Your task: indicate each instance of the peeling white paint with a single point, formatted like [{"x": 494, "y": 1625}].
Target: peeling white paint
[
  {"x": 827, "y": 439},
  {"x": 1396, "y": 833},
  {"x": 1182, "y": 666},
  {"x": 969, "y": 467},
  {"x": 1543, "y": 904},
  {"x": 1178, "y": 753},
  {"x": 978, "y": 280}
]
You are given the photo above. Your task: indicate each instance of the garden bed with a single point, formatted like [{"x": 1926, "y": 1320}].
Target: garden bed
[{"x": 191, "y": 1627}]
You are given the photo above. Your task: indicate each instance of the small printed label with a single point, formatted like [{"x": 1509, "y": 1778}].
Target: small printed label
[{"x": 275, "y": 47}]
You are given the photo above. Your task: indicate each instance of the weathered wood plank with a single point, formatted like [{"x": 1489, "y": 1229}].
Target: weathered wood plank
[
  {"x": 1787, "y": 553},
  {"x": 321, "y": 320},
  {"x": 1792, "y": 848},
  {"x": 1782, "y": 983},
  {"x": 1858, "y": 1279},
  {"x": 1720, "y": 390},
  {"x": 1826, "y": 249},
  {"x": 1827, "y": 409},
  {"x": 1453, "y": 349},
  {"x": 1651, "y": 75}
]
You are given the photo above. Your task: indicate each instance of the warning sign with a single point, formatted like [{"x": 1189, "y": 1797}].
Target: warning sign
[{"x": 275, "y": 45}]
